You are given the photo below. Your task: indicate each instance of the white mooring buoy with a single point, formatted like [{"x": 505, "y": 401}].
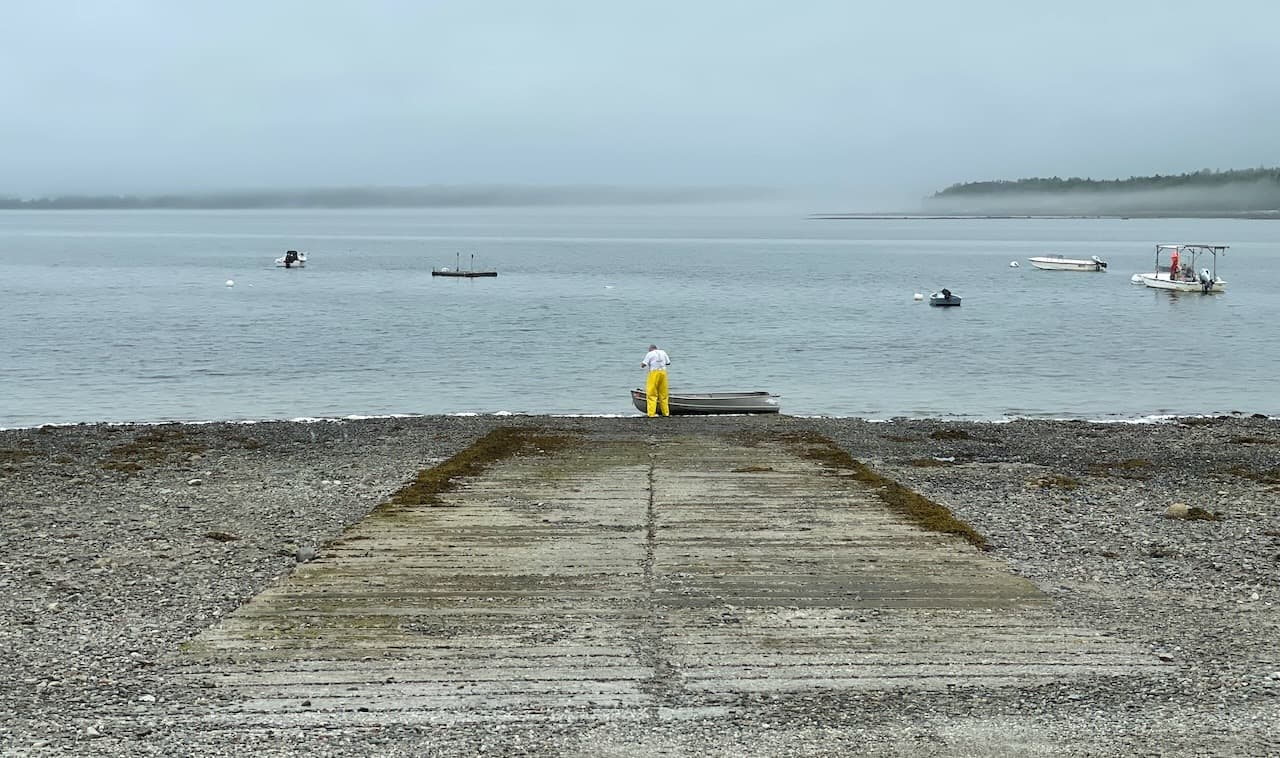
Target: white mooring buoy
[
  {"x": 231, "y": 282},
  {"x": 917, "y": 297}
]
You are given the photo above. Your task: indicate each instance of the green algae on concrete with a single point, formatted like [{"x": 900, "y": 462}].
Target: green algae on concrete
[
  {"x": 913, "y": 506},
  {"x": 499, "y": 444}
]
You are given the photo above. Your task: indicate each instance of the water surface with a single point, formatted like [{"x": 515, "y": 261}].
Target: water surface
[{"x": 126, "y": 316}]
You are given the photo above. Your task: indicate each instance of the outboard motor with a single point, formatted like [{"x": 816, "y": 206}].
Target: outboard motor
[
  {"x": 1206, "y": 280},
  {"x": 1102, "y": 265}
]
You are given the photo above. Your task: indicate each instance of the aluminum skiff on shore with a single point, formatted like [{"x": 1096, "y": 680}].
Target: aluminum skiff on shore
[{"x": 711, "y": 403}]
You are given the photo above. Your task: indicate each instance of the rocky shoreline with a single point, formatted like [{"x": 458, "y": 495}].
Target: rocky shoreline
[{"x": 119, "y": 543}]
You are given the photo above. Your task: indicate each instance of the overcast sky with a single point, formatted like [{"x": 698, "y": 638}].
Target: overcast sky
[{"x": 874, "y": 103}]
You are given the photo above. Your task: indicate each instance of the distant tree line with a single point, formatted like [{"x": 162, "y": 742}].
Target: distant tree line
[
  {"x": 383, "y": 197},
  {"x": 1203, "y": 178},
  {"x": 1204, "y": 191}
]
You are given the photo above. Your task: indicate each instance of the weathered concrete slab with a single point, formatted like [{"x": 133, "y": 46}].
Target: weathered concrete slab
[{"x": 670, "y": 580}]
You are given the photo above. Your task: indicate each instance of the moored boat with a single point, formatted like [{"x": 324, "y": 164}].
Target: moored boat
[
  {"x": 458, "y": 271},
  {"x": 1059, "y": 263},
  {"x": 1181, "y": 273},
  {"x": 944, "y": 298},
  {"x": 713, "y": 403},
  {"x": 464, "y": 274},
  {"x": 292, "y": 259}
]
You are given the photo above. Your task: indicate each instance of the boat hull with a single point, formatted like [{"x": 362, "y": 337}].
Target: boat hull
[
  {"x": 463, "y": 274},
  {"x": 1161, "y": 281},
  {"x": 1067, "y": 264},
  {"x": 938, "y": 301},
  {"x": 713, "y": 403}
]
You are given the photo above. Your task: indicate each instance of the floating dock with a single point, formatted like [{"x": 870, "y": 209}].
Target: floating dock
[
  {"x": 459, "y": 271},
  {"x": 466, "y": 274}
]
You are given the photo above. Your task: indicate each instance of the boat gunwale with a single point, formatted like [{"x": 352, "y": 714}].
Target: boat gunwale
[{"x": 699, "y": 402}]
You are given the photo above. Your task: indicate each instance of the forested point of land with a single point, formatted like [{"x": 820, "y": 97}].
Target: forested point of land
[
  {"x": 1204, "y": 178},
  {"x": 1237, "y": 191}
]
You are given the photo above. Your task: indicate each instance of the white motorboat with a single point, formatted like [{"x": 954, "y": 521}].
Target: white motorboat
[
  {"x": 292, "y": 259},
  {"x": 713, "y": 403},
  {"x": 1058, "y": 263},
  {"x": 1182, "y": 272},
  {"x": 944, "y": 299}
]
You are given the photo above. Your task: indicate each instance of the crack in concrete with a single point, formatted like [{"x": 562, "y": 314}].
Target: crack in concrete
[{"x": 652, "y": 651}]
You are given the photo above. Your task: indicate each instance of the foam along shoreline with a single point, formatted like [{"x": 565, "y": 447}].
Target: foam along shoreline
[
  {"x": 123, "y": 542},
  {"x": 1159, "y": 418}
]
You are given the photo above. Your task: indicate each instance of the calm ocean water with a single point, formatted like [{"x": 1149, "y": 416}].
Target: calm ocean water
[{"x": 125, "y": 316}]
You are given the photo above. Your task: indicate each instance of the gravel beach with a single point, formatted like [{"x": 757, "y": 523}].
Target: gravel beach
[{"x": 120, "y": 543}]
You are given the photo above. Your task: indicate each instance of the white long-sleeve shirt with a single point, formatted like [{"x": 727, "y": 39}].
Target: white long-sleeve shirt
[{"x": 655, "y": 359}]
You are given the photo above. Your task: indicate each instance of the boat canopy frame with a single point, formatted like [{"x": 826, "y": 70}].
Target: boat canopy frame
[{"x": 1196, "y": 249}]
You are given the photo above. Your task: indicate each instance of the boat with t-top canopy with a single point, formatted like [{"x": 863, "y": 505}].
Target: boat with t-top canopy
[{"x": 1179, "y": 268}]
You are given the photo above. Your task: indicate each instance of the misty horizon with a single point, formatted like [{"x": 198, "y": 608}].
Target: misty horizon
[
  {"x": 1224, "y": 194},
  {"x": 477, "y": 195},
  {"x": 827, "y": 105}
]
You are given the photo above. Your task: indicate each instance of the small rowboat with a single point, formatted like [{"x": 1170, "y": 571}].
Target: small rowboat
[{"x": 712, "y": 403}]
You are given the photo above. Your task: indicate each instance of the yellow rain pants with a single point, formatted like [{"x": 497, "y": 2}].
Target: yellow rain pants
[{"x": 655, "y": 390}]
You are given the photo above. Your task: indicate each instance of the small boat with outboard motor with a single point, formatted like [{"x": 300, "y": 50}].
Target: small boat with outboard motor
[
  {"x": 292, "y": 259},
  {"x": 944, "y": 299},
  {"x": 1059, "y": 263},
  {"x": 1181, "y": 274}
]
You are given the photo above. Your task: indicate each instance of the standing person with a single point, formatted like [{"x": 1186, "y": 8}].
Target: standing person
[{"x": 655, "y": 388}]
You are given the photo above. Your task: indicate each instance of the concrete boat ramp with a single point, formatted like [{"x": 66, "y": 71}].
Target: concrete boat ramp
[{"x": 666, "y": 579}]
